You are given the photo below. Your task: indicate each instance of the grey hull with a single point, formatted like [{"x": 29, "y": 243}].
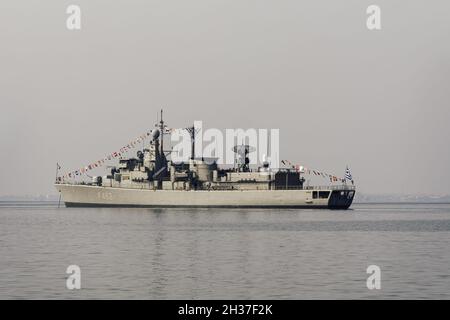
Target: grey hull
[{"x": 94, "y": 196}]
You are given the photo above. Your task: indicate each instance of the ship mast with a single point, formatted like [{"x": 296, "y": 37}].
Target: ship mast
[
  {"x": 191, "y": 131},
  {"x": 161, "y": 129}
]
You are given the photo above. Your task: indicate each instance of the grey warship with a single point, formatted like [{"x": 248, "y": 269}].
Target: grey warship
[{"x": 152, "y": 180}]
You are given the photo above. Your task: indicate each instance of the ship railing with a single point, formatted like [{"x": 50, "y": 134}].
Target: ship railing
[
  {"x": 337, "y": 187},
  {"x": 281, "y": 187},
  {"x": 131, "y": 186},
  {"x": 76, "y": 183}
]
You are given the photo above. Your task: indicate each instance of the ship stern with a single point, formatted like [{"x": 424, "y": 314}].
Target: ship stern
[{"x": 341, "y": 199}]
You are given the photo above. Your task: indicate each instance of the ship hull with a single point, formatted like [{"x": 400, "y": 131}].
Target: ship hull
[{"x": 95, "y": 196}]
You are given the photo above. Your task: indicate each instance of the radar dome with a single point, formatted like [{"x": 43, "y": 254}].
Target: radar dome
[{"x": 155, "y": 134}]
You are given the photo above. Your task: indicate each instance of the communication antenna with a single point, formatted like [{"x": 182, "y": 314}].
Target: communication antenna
[
  {"x": 242, "y": 152},
  {"x": 192, "y": 132}
]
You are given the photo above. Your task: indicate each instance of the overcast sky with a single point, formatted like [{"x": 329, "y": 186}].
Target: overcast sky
[{"x": 339, "y": 93}]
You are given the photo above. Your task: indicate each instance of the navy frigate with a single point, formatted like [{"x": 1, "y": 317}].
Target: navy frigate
[{"x": 152, "y": 180}]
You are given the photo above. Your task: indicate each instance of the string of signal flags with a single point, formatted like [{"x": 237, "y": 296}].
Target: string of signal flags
[
  {"x": 314, "y": 172},
  {"x": 113, "y": 155}
]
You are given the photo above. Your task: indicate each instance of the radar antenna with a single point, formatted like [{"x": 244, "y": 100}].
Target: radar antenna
[{"x": 243, "y": 161}]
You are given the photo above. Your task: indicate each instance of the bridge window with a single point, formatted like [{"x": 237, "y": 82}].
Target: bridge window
[
  {"x": 314, "y": 194},
  {"x": 324, "y": 194}
]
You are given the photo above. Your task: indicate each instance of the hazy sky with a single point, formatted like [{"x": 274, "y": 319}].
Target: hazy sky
[{"x": 339, "y": 93}]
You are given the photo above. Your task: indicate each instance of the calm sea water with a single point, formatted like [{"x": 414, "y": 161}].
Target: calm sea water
[{"x": 224, "y": 254}]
